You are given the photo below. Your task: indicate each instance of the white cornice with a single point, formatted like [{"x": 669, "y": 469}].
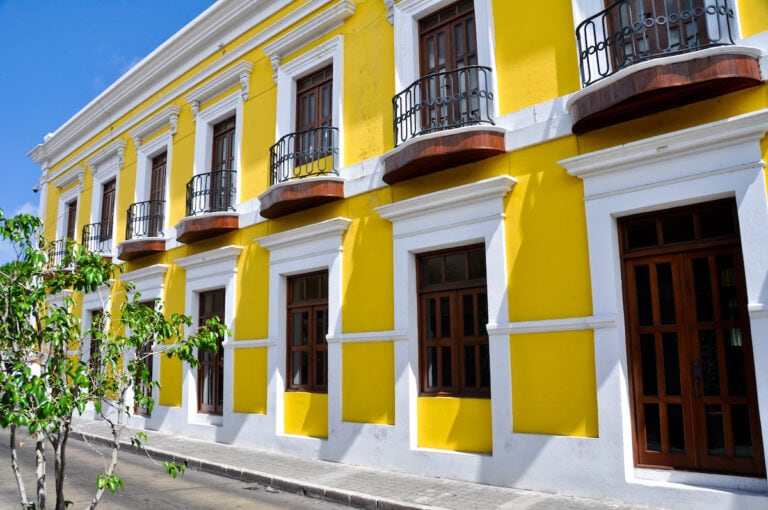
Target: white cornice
[
  {"x": 320, "y": 25},
  {"x": 239, "y": 73},
  {"x": 751, "y": 126},
  {"x": 390, "y": 6},
  {"x": 226, "y": 254},
  {"x": 165, "y": 117},
  {"x": 76, "y": 173},
  {"x": 481, "y": 191},
  {"x": 153, "y": 274},
  {"x": 199, "y": 39},
  {"x": 301, "y": 235},
  {"x": 115, "y": 148}
]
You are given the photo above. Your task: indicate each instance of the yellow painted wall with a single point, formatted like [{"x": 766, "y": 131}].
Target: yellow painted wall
[
  {"x": 547, "y": 252},
  {"x": 250, "y": 369},
  {"x": 553, "y": 383},
  {"x": 535, "y": 53},
  {"x": 458, "y": 424},
  {"x": 252, "y": 298},
  {"x": 368, "y": 382},
  {"x": 306, "y": 414},
  {"x": 753, "y": 16}
]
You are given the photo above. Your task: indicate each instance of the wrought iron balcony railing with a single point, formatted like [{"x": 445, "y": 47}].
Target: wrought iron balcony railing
[
  {"x": 632, "y": 31},
  {"x": 443, "y": 100},
  {"x": 145, "y": 219},
  {"x": 211, "y": 192},
  {"x": 304, "y": 154},
  {"x": 97, "y": 237},
  {"x": 57, "y": 251}
]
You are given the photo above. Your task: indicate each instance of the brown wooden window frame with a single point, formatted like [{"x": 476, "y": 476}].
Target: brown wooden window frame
[
  {"x": 466, "y": 342},
  {"x": 315, "y": 348},
  {"x": 107, "y": 216},
  {"x": 71, "y": 223},
  {"x": 214, "y": 361}
]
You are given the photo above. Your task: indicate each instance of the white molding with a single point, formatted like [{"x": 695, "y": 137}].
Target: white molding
[
  {"x": 114, "y": 149},
  {"x": 169, "y": 116},
  {"x": 369, "y": 336},
  {"x": 554, "y": 325},
  {"x": 304, "y": 236},
  {"x": 72, "y": 174},
  {"x": 460, "y": 197},
  {"x": 240, "y": 73},
  {"x": 757, "y": 310},
  {"x": 148, "y": 281},
  {"x": 249, "y": 344},
  {"x": 144, "y": 155},
  {"x": 320, "y": 25},
  {"x": 200, "y": 265}
]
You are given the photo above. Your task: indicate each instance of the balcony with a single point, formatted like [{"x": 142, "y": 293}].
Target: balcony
[
  {"x": 97, "y": 238},
  {"x": 210, "y": 206},
  {"x": 443, "y": 120},
  {"x": 143, "y": 230},
  {"x": 639, "y": 57},
  {"x": 304, "y": 172}
]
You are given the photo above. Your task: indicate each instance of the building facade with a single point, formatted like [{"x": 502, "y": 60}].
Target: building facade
[{"x": 468, "y": 239}]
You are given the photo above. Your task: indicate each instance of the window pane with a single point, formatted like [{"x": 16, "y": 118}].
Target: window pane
[
  {"x": 455, "y": 267},
  {"x": 431, "y": 367},
  {"x": 320, "y": 370},
  {"x": 470, "y": 372},
  {"x": 446, "y": 366},
  {"x": 715, "y": 436},
  {"x": 676, "y": 428},
  {"x": 652, "y": 428},
  {"x": 432, "y": 270},
  {"x": 729, "y": 302},
  {"x": 313, "y": 287},
  {"x": 717, "y": 221},
  {"x": 482, "y": 313},
  {"x": 445, "y": 317},
  {"x": 671, "y": 363},
  {"x": 297, "y": 285},
  {"x": 431, "y": 322},
  {"x": 703, "y": 289},
  {"x": 320, "y": 327},
  {"x": 476, "y": 264},
  {"x": 641, "y": 234},
  {"x": 742, "y": 434},
  {"x": 468, "y": 312},
  {"x": 648, "y": 360},
  {"x": 643, "y": 295},
  {"x": 709, "y": 362},
  {"x": 734, "y": 360},
  {"x": 485, "y": 366},
  {"x": 666, "y": 293},
  {"x": 675, "y": 229}
]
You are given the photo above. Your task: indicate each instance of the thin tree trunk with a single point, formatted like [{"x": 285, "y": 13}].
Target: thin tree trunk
[
  {"x": 61, "y": 465},
  {"x": 17, "y": 471},
  {"x": 40, "y": 472}
]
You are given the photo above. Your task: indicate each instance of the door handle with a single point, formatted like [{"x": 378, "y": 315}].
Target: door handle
[{"x": 696, "y": 376}]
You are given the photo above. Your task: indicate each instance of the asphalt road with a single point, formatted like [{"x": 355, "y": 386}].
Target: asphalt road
[{"x": 147, "y": 486}]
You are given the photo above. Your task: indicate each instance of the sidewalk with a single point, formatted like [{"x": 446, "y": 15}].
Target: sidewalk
[{"x": 340, "y": 483}]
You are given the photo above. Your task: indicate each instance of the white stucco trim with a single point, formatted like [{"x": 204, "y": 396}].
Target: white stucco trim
[
  {"x": 106, "y": 165},
  {"x": 302, "y": 250},
  {"x": 331, "y": 52},
  {"x": 553, "y": 325},
  {"x": 250, "y": 344},
  {"x": 210, "y": 270},
  {"x": 61, "y": 213},
  {"x": 369, "y": 336},
  {"x": 468, "y": 214},
  {"x": 144, "y": 155},
  {"x": 717, "y": 160},
  {"x": 407, "y": 14}
]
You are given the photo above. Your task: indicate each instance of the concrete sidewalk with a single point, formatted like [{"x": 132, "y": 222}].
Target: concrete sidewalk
[{"x": 340, "y": 483}]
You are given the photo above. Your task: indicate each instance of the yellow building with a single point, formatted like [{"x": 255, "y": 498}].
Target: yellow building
[{"x": 520, "y": 245}]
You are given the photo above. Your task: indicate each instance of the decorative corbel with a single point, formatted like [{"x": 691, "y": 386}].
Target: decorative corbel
[
  {"x": 245, "y": 78},
  {"x": 120, "y": 156},
  {"x": 275, "y": 61},
  {"x": 390, "y": 5},
  {"x": 174, "y": 122},
  {"x": 137, "y": 141},
  {"x": 195, "y": 108}
]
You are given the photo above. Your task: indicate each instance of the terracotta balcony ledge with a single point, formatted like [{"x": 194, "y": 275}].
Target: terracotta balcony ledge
[
  {"x": 664, "y": 83},
  {"x": 297, "y": 195},
  {"x": 135, "y": 248},
  {"x": 429, "y": 153},
  {"x": 207, "y": 225}
]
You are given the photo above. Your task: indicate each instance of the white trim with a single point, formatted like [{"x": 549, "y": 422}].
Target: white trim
[
  {"x": 144, "y": 155},
  {"x": 249, "y": 344},
  {"x": 322, "y": 24},
  {"x": 210, "y": 270},
  {"x": 330, "y": 52},
  {"x": 169, "y": 116},
  {"x": 369, "y": 336},
  {"x": 240, "y": 74},
  {"x": 105, "y": 166},
  {"x": 553, "y": 325},
  {"x": 468, "y": 214},
  {"x": 148, "y": 281},
  {"x": 77, "y": 173},
  {"x": 303, "y": 250},
  {"x": 717, "y": 160},
  {"x": 406, "y": 16},
  {"x": 115, "y": 149},
  {"x": 61, "y": 217}
]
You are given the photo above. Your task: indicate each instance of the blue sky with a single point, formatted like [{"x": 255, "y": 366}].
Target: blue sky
[{"x": 55, "y": 57}]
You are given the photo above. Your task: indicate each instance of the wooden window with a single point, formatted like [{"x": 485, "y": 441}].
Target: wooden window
[
  {"x": 71, "y": 219},
  {"x": 447, "y": 42},
  {"x": 453, "y": 313},
  {"x": 210, "y": 374},
  {"x": 688, "y": 340},
  {"x": 314, "y": 109},
  {"x": 223, "y": 165},
  {"x": 307, "y": 313},
  {"x": 157, "y": 194},
  {"x": 107, "y": 210}
]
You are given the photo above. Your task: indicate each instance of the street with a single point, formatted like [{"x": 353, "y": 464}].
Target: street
[{"x": 146, "y": 484}]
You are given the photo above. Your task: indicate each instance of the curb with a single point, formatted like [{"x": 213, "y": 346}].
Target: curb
[{"x": 333, "y": 495}]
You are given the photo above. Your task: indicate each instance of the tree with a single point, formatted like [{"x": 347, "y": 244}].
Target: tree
[{"x": 46, "y": 375}]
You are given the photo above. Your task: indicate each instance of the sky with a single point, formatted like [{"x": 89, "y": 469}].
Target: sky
[{"x": 55, "y": 57}]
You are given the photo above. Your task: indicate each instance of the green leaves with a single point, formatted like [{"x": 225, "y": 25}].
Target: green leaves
[
  {"x": 174, "y": 468},
  {"x": 110, "y": 481}
]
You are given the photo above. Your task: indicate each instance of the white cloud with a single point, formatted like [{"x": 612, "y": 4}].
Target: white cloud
[{"x": 26, "y": 208}]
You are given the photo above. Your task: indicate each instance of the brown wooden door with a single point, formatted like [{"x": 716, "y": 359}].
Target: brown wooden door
[
  {"x": 223, "y": 165},
  {"x": 107, "y": 211},
  {"x": 314, "y": 109},
  {"x": 690, "y": 352},
  {"x": 157, "y": 194},
  {"x": 71, "y": 219},
  {"x": 210, "y": 374}
]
